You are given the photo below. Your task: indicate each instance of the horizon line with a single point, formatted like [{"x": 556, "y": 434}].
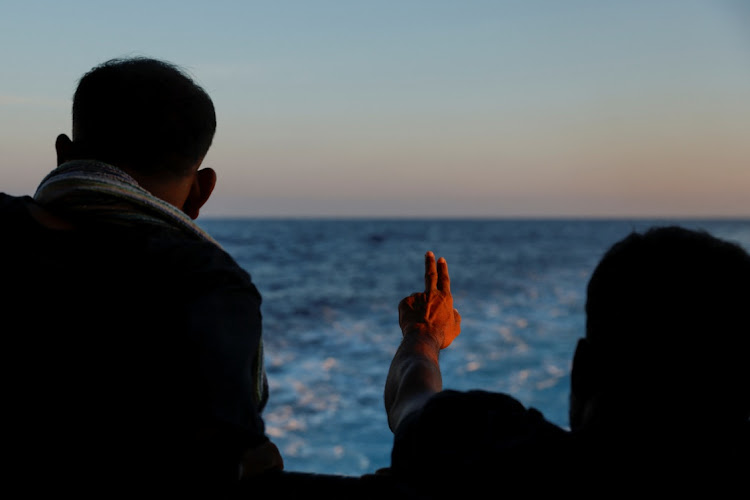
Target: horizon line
[{"x": 484, "y": 217}]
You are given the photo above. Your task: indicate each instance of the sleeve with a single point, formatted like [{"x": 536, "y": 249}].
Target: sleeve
[{"x": 226, "y": 326}]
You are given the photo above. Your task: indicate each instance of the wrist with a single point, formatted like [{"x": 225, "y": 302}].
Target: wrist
[{"x": 421, "y": 334}]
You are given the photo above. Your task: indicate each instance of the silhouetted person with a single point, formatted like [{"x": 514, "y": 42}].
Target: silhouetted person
[
  {"x": 660, "y": 384},
  {"x": 132, "y": 340}
]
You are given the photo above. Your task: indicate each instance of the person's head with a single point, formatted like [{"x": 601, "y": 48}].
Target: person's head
[
  {"x": 667, "y": 333},
  {"x": 145, "y": 116}
]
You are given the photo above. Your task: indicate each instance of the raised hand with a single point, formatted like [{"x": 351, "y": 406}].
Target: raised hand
[{"x": 431, "y": 312}]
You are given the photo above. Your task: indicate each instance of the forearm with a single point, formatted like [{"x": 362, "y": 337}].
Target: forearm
[
  {"x": 413, "y": 377},
  {"x": 428, "y": 323}
]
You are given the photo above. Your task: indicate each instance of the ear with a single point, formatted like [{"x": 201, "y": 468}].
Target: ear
[
  {"x": 203, "y": 185},
  {"x": 64, "y": 148}
]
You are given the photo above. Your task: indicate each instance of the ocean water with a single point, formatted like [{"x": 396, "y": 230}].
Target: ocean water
[{"x": 330, "y": 294}]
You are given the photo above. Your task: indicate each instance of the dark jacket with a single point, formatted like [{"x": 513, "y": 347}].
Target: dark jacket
[{"x": 130, "y": 354}]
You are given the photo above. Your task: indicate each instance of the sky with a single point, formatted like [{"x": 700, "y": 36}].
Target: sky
[{"x": 418, "y": 108}]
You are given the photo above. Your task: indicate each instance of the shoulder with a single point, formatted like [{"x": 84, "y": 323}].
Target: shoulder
[
  {"x": 204, "y": 260},
  {"x": 463, "y": 414},
  {"x": 22, "y": 212},
  {"x": 153, "y": 271},
  {"x": 7, "y": 199},
  {"x": 13, "y": 209},
  {"x": 478, "y": 433}
]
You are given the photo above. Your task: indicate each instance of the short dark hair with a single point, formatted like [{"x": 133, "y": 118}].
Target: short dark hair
[
  {"x": 669, "y": 312},
  {"x": 144, "y": 113}
]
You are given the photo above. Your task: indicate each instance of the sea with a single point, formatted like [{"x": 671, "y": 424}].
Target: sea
[{"x": 331, "y": 289}]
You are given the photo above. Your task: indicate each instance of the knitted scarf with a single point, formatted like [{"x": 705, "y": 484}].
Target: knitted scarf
[{"x": 87, "y": 190}]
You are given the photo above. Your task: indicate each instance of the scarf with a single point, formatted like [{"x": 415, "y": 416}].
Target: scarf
[{"x": 87, "y": 190}]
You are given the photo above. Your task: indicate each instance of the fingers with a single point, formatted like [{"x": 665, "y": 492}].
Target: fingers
[
  {"x": 430, "y": 272},
  {"x": 436, "y": 275},
  {"x": 443, "y": 279}
]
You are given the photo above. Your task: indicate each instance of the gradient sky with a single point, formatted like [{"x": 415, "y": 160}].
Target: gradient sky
[{"x": 418, "y": 108}]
